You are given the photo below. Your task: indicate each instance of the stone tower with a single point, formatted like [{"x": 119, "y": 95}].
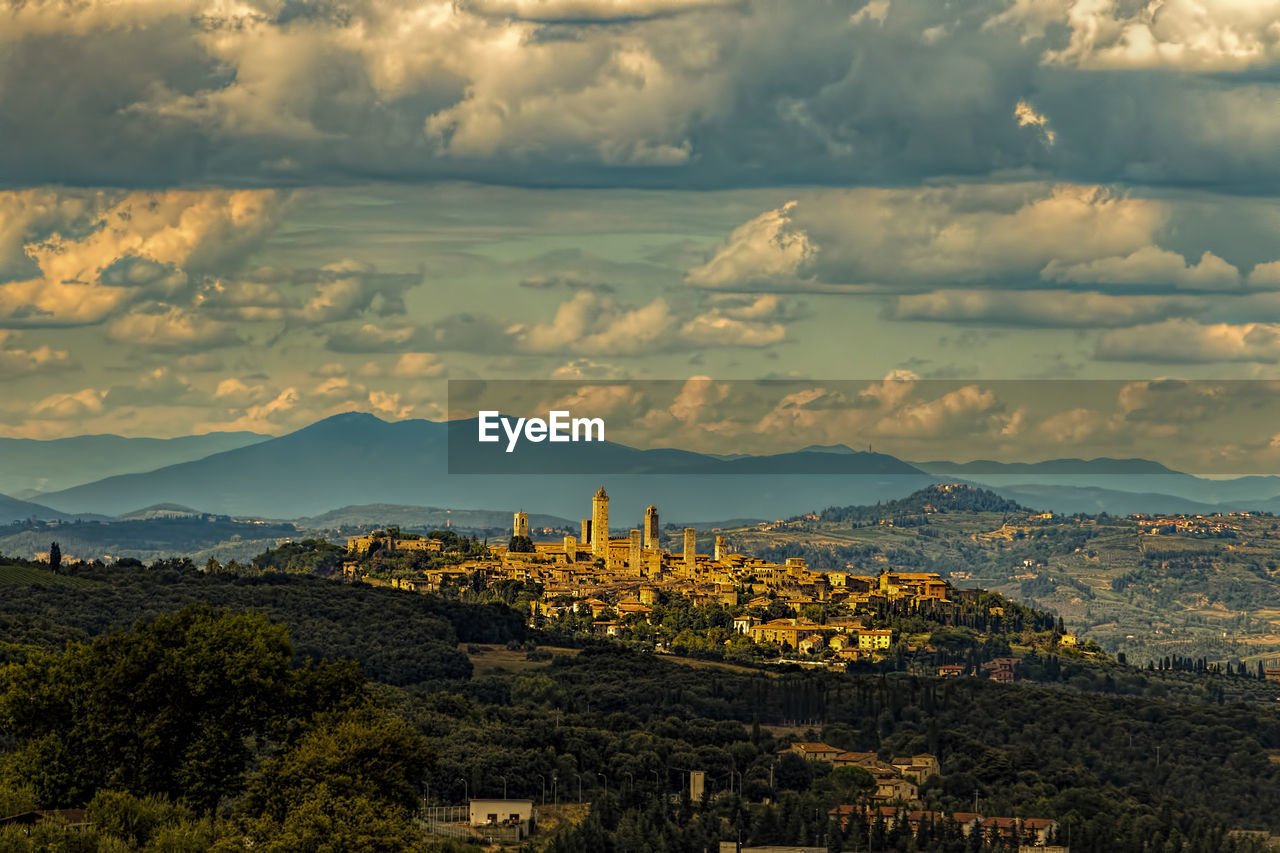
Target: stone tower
[
  {"x": 600, "y": 525},
  {"x": 521, "y": 525},
  {"x": 585, "y": 538},
  {"x": 690, "y": 549},
  {"x": 720, "y": 549},
  {"x": 635, "y": 561},
  {"x": 652, "y": 538}
]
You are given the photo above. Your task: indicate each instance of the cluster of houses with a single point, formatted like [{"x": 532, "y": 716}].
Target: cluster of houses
[
  {"x": 1031, "y": 834},
  {"x": 897, "y": 781},
  {"x": 895, "y": 799},
  {"x": 1188, "y": 525}
]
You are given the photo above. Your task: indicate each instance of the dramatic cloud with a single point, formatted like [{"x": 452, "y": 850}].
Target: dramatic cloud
[
  {"x": 1011, "y": 235},
  {"x": 705, "y": 93},
  {"x": 764, "y": 249},
  {"x": 1196, "y": 35},
  {"x": 79, "y": 258}
]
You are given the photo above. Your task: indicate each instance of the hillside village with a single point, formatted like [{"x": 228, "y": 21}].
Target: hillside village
[{"x": 731, "y": 603}]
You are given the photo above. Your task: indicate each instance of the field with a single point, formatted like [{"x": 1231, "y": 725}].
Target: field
[
  {"x": 490, "y": 659},
  {"x": 24, "y": 576}
]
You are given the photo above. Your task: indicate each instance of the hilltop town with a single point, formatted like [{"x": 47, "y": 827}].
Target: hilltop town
[{"x": 724, "y": 602}]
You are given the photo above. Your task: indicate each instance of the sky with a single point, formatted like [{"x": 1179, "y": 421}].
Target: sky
[{"x": 250, "y": 214}]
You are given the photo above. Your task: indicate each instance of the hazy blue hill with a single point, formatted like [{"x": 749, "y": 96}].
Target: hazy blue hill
[
  {"x": 1091, "y": 500},
  {"x": 1100, "y": 465},
  {"x": 419, "y": 518},
  {"x": 1133, "y": 476},
  {"x": 160, "y": 511},
  {"x": 353, "y": 455},
  {"x": 29, "y": 466},
  {"x": 12, "y": 509},
  {"x": 354, "y": 459}
]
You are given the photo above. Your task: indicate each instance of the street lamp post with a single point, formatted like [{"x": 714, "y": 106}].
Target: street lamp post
[
  {"x": 579, "y": 775},
  {"x": 544, "y": 788},
  {"x": 466, "y": 789}
]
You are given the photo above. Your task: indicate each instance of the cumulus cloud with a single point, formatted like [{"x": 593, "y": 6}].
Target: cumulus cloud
[
  {"x": 341, "y": 290},
  {"x": 87, "y": 256},
  {"x": 418, "y": 365},
  {"x": 587, "y": 10},
  {"x": 16, "y": 360},
  {"x": 585, "y": 368},
  {"x": 70, "y": 405},
  {"x": 1265, "y": 275},
  {"x": 1040, "y": 308},
  {"x": 952, "y": 415},
  {"x": 237, "y": 393},
  {"x": 1094, "y": 242},
  {"x": 171, "y": 329},
  {"x": 1149, "y": 264},
  {"x": 160, "y": 386},
  {"x": 1195, "y": 35},
  {"x": 866, "y": 238},
  {"x": 1186, "y": 341},
  {"x": 764, "y": 249},
  {"x": 594, "y": 324}
]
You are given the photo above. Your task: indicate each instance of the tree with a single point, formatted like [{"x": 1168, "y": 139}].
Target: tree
[
  {"x": 520, "y": 545},
  {"x": 349, "y": 784},
  {"x": 171, "y": 707},
  {"x": 55, "y": 557}
]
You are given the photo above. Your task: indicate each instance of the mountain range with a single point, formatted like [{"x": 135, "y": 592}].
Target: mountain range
[
  {"x": 356, "y": 460},
  {"x": 29, "y": 467}
]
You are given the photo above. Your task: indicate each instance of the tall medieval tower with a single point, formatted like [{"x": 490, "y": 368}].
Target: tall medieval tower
[
  {"x": 600, "y": 525},
  {"x": 521, "y": 525},
  {"x": 652, "y": 538}
]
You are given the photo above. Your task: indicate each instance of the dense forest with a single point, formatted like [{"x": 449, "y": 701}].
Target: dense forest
[
  {"x": 398, "y": 639},
  {"x": 192, "y": 711}
]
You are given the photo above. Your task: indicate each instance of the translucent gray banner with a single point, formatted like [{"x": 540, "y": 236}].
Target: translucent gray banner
[{"x": 1074, "y": 431}]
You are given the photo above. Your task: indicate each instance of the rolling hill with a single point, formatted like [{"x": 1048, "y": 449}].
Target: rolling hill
[
  {"x": 29, "y": 467},
  {"x": 353, "y": 459},
  {"x": 356, "y": 460},
  {"x": 14, "y": 510}
]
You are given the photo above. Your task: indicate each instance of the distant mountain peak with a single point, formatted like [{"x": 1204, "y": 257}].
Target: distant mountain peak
[{"x": 347, "y": 418}]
